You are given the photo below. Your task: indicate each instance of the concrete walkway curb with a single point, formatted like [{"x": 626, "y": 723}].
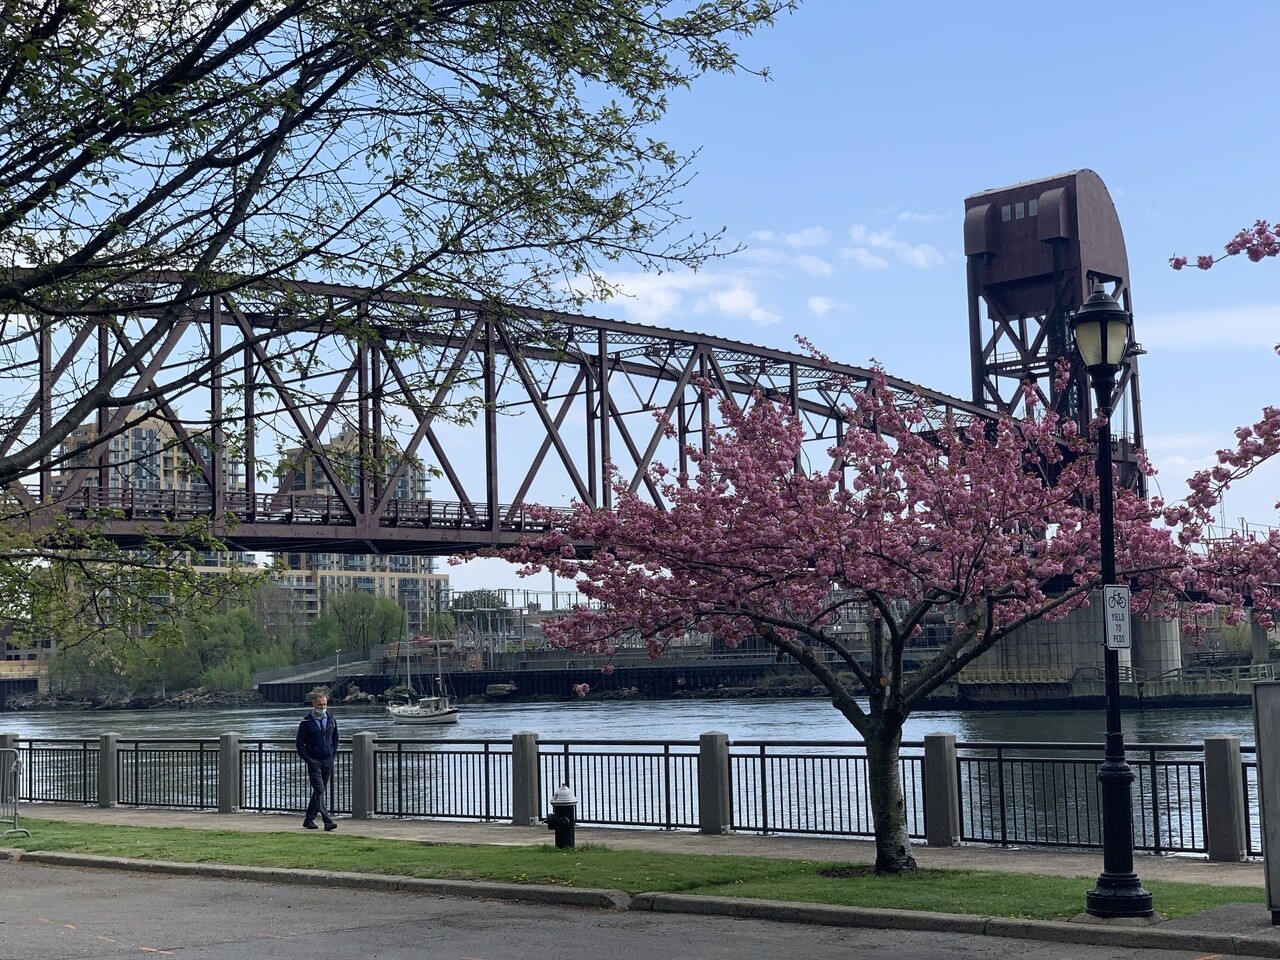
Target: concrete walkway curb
[
  {"x": 1089, "y": 934},
  {"x": 479, "y": 889}
]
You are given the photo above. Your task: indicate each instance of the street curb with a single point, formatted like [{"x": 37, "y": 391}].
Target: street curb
[
  {"x": 479, "y": 889},
  {"x": 1053, "y": 931},
  {"x": 781, "y": 911}
]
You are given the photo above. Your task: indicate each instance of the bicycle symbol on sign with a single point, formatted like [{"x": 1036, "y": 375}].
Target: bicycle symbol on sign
[{"x": 1117, "y": 617}]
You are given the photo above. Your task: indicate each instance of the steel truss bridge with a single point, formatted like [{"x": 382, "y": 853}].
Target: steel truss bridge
[
  {"x": 553, "y": 401},
  {"x": 298, "y": 417}
]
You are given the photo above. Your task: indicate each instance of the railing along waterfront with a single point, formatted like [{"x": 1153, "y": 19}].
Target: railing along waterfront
[
  {"x": 811, "y": 786},
  {"x": 1253, "y": 825},
  {"x": 647, "y": 783},
  {"x": 453, "y": 779},
  {"x": 59, "y": 771},
  {"x": 167, "y": 773},
  {"x": 1022, "y": 794},
  {"x": 1046, "y": 794}
]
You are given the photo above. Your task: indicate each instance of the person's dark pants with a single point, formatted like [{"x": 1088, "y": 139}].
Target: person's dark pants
[{"x": 319, "y": 775}]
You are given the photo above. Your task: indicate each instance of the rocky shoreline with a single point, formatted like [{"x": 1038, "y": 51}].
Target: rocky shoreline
[{"x": 198, "y": 699}]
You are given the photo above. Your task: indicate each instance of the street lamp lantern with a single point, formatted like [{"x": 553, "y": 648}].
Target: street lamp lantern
[{"x": 1103, "y": 334}]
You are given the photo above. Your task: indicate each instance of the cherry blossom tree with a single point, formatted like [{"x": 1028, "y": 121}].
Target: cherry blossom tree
[
  {"x": 1257, "y": 243},
  {"x": 988, "y": 525},
  {"x": 1251, "y": 564}
]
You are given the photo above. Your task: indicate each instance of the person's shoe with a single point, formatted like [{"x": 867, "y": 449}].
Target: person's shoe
[
  {"x": 310, "y": 824},
  {"x": 329, "y": 825}
]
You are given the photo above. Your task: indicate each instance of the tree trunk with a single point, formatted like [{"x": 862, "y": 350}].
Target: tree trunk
[{"x": 888, "y": 809}]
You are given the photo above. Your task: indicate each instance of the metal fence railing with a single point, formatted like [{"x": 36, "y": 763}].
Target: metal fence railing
[
  {"x": 646, "y": 783},
  {"x": 1023, "y": 794},
  {"x": 815, "y": 787},
  {"x": 1029, "y": 794},
  {"x": 274, "y": 780},
  {"x": 456, "y": 779},
  {"x": 1253, "y": 823},
  {"x": 168, "y": 773},
  {"x": 59, "y": 770}
]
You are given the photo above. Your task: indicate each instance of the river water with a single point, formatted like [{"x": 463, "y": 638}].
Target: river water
[{"x": 664, "y": 720}]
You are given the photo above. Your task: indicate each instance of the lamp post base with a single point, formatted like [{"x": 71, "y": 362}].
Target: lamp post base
[{"x": 1118, "y": 895}]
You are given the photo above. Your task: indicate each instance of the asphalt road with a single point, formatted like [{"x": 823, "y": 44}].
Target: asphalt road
[{"x": 62, "y": 913}]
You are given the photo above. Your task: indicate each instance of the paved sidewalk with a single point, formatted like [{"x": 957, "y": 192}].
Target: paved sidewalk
[
  {"x": 1050, "y": 863},
  {"x": 1240, "y": 930}
]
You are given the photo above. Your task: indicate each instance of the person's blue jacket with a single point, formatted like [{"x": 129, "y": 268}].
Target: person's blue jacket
[{"x": 316, "y": 744}]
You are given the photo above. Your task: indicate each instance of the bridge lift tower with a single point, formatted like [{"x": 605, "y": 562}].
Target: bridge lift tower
[{"x": 1034, "y": 251}]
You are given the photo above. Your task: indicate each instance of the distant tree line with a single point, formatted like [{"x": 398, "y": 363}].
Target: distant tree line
[{"x": 222, "y": 651}]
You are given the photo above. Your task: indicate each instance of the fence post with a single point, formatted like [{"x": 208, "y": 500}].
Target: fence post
[
  {"x": 1224, "y": 800},
  {"x": 363, "y": 776},
  {"x": 229, "y": 773},
  {"x": 108, "y": 783},
  {"x": 526, "y": 787},
  {"x": 715, "y": 804},
  {"x": 8, "y": 741},
  {"x": 941, "y": 791}
]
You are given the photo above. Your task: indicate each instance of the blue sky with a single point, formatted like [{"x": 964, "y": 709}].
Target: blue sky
[{"x": 844, "y": 177}]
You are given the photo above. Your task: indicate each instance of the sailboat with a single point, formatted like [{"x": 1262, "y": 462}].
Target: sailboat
[{"x": 437, "y": 709}]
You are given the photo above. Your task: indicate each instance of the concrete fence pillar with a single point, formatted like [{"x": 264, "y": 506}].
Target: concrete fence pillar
[
  {"x": 229, "y": 773},
  {"x": 941, "y": 791},
  {"x": 108, "y": 782},
  {"x": 526, "y": 781},
  {"x": 1224, "y": 800},
  {"x": 363, "y": 776},
  {"x": 715, "y": 803},
  {"x": 9, "y": 741}
]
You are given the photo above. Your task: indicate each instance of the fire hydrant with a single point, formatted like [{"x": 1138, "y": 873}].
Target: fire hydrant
[{"x": 562, "y": 816}]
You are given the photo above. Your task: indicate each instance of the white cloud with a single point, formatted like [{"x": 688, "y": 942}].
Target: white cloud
[
  {"x": 1249, "y": 325},
  {"x": 807, "y": 262},
  {"x": 920, "y": 255},
  {"x": 807, "y": 238},
  {"x": 763, "y": 236},
  {"x": 820, "y": 305},
  {"x": 865, "y": 258},
  {"x": 669, "y": 298},
  {"x": 739, "y": 302},
  {"x": 814, "y": 266}
]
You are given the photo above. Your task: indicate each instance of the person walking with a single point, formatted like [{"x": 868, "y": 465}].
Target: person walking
[{"x": 317, "y": 744}]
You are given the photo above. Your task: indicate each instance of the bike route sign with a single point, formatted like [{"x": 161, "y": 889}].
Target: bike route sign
[{"x": 1115, "y": 612}]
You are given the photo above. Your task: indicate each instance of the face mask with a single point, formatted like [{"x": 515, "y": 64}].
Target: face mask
[{"x": 318, "y": 712}]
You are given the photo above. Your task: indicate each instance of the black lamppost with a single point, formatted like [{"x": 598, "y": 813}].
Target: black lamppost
[{"x": 1102, "y": 332}]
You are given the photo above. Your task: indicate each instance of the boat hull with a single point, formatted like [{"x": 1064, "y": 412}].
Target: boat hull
[{"x": 412, "y": 714}]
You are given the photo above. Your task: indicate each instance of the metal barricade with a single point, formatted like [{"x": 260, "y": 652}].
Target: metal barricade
[{"x": 10, "y": 782}]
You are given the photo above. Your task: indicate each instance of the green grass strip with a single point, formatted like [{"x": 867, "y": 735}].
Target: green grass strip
[{"x": 982, "y": 893}]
